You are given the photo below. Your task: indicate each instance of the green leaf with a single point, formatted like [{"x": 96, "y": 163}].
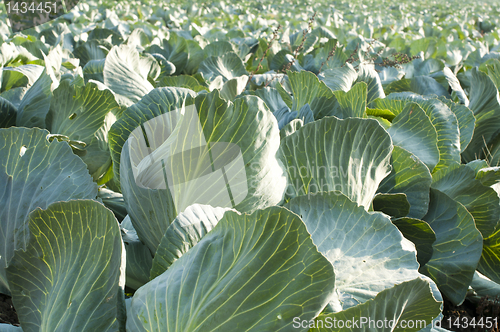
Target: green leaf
[
  {"x": 157, "y": 102},
  {"x": 395, "y": 205},
  {"x": 78, "y": 112},
  {"x": 92, "y": 50},
  {"x": 459, "y": 182},
  {"x": 367, "y": 251},
  {"x": 291, "y": 127},
  {"x": 35, "y": 103},
  {"x": 242, "y": 138},
  {"x": 139, "y": 258},
  {"x": 308, "y": 89},
  {"x": 483, "y": 286},
  {"x": 228, "y": 65},
  {"x": 395, "y": 106},
  {"x": 250, "y": 273},
  {"x": 477, "y": 165},
  {"x": 445, "y": 122},
  {"x": 234, "y": 87},
  {"x": 411, "y": 177},
  {"x": 26, "y": 75},
  {"x": 410, "y": 301},
  {"x": 465, "y": 119},
  {"x": 485, "y": 104},
  {"x": 351, "y": 103},
  {"x": 196, "y": 56},
  {"x": 182, "y": 81},
  {"x": 489, "y": 176},
  {"x": 489, "y": 265},
  {"x": 282, "y": 60},
  {"x": 386, "y": 114},
  {"x": 367, "y": 74},
  {"x": 272, "y": 98},
  {"x": 96, "y": 153},
  {"x": 68, "y": 277},
  {"x": 340, "y": 78},
  {"x": 492, "y": 68},
  {"x": 187, "y": 229},
  {"x": 333, "y": 154},
  {"x": 455, "y": 86},
  {"x": 113, "y": 201},
  {"x": 124, "y": 76},
  {"x": 457, "y": 248},
  {"x": 218, "y": 48},
  {"x": 93, "y": 70},
  {"x": 174, "y": 50},
  {"x": 34, "y": 173},
  {"x": 422, "y": 85},
  {"x": 413, "y": 131},
  {"x": 420, "y": 233},
  {"x": 8, "y": 113}
]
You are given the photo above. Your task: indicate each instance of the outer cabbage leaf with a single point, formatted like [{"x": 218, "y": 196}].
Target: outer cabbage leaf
[
  {"x": 174, "y": 50},
  {"x": 35, "y": 104},
  {"x": 459, "y": 182},
  {"x": 139, "y": 258},
  {"x": 34, "y": 173},
  {"x": 465, "y": 119},
  {"x": 228, "y": 65},
  {"x": 368, "y": 74},
  {"x": 245, "y": 128},
  {"x": 422, "y": 85},
  {"x": 351, "y": 156},
  {"x": 340, "y": 78},
  {"x": 411, "y": 177},
  {"x": 445, "y": 122},
  {"x": 489, "y": 265},
  {"x": 183, "y": 233},
  {"x": 410, "y": 301},
  {"x": 250, "y": 273},
  {"x": 413, "y": 131},
  {"x": 485, "y": 104},
  {"x": 78, "y": 112},
  {"x": 124, "y": 75},
  {"x": 420, "y": 233},
  {"x": 8, "y": 113},
  {"x": 367, "y": 251},
  {"x": 457, "y": 248},
  {"x": 68, "y": 278},
  {"x": 308, "y": 89},
  {"x": 157, "y": 102}
]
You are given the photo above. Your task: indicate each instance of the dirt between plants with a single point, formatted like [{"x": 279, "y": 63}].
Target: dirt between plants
[
  {"x": 7, "y": 312},
  {"x": 487, "y": 307},
  {"x": 471, "y": 312}
]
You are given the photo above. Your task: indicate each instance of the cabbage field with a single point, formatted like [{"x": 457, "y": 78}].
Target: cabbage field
[{"x": 251, "y": 165}]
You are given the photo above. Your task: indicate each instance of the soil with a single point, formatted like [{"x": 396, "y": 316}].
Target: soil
[
  {"x": 7, "y": 312},
  {"x": 455, "y": 318},
  {"x": 487, "y": 307}
]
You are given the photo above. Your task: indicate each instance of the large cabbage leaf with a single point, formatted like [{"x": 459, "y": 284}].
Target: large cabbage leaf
[
  {"x": 215, "y": 153},
  {"x": 411, "y": 305},
  {"x": 457, "y": 248},
  {"x": 250, "y": 273},
  {"x": 410, "y": 177},
  {"x": 34, "y": 173},
  {"x": 351, "y": 156},
  {"x": 74, "y": 257},
  {"x": 183, "y": 233},
  {"x": 368, "y": 252}
]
